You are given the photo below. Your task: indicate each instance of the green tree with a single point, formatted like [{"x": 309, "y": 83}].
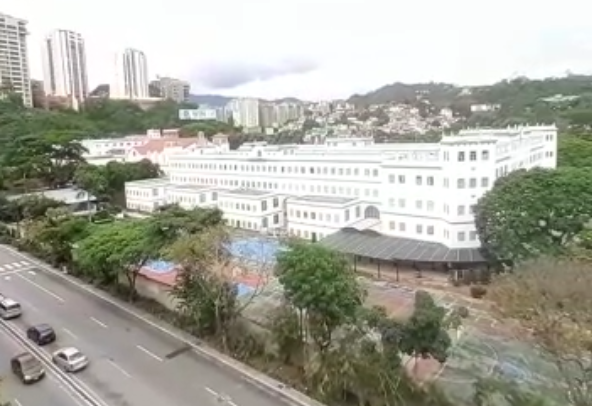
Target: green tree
[
  {"x": 107, "y": 182},
  {"x": 424, "y": 335},
  {"x": 574, "y": 151},
  {"x": 118, "y": 248},
  {"x": 205, "y": 292},
  {"x": 322, "y": 286},
  {"x": 55, "y": 234},
  {"x": 529, "y": 213}
]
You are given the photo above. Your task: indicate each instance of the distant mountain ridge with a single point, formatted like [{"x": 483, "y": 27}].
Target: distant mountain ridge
[
  {"x": 447, "y": 94},
  {"x": 215, "y": 100}
]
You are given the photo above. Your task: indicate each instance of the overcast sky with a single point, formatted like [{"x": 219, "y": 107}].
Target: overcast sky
[{"x": 317, "y": 49}]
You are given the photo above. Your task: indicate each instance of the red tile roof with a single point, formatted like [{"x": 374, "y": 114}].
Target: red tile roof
[{"x": 159, "y": 145}]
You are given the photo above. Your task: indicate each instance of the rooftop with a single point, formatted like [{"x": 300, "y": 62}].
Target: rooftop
[
  {"x": 66, "y": 195},
  {"x": 324, "y": 199},
  {"x": 371, "y": 244}
]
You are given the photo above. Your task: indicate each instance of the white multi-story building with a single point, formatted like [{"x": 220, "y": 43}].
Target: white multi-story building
[
  {"x": 416, "y": 192},
  {"x": 130, "y": 79},
  {"x": 14, "y": 58},
  {"x": 64, "y": 66}
]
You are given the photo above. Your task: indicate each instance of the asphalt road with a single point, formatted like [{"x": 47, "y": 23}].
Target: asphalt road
[
  {"x": 132, "y": 363},
  {"x": 47, "y": 392}
]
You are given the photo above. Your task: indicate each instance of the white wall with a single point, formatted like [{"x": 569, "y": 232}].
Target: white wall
[{"x": 311, "y": 220}]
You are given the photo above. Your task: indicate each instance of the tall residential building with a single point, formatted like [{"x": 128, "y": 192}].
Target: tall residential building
[
  {"x": 171, "y": 88},
  {"x": 245, "y": 112},
  {"x": 130, "y": 79},
  {"x": 14, "y": 59},
  {"x": 64, "y": 66}
]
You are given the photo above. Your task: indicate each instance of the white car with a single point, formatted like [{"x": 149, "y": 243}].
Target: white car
[{"x": 70, "y": 359}]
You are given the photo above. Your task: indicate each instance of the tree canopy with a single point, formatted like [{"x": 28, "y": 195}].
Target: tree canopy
[{"x": 535, "y": 212}]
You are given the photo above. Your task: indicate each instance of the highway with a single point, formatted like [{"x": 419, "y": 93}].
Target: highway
[
  {"x": 132, "y": 363},
  {"x": 47, "y": 392}
]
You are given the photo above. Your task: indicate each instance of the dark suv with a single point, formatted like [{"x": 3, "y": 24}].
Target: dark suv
[
  {"x": 41, "y": 334},
  {"x": 27, "y": 368}
]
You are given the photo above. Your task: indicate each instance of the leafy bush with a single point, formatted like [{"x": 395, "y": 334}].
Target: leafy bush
[
  {"x": 478, "y": 291},
  {"x": 462, "y": 311}
]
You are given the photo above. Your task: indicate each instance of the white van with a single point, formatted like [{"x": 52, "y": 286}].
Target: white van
[{"x": 10, "y": 309}]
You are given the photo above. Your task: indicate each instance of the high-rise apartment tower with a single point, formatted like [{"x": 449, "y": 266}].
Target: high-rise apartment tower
[
  {"x": 130, "y": 80},
  {"x": 14, "y": 59},
  {"x": 64, "y": 66}
]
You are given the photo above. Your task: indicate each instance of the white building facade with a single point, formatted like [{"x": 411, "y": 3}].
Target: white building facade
[
  {"x": 14, "y": 58},
  {"x": 130, "y": 79},
  {"x": 423, "y": 192},
  {"x": 64, "y": 66}
]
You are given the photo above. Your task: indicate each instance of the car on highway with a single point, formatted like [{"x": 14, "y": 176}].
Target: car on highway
[
  {"x": 70, "y": 359},
  {"x": 9, "y": 308},
  {"x": 41, "y": 334},
  {"x": 27, "y": 367}
]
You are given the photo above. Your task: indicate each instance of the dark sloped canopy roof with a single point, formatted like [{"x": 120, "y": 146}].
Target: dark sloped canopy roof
[{"x": 371, "y": 244}]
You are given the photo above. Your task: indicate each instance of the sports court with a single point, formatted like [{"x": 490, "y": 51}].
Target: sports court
[{"x": 254, "y": 252}]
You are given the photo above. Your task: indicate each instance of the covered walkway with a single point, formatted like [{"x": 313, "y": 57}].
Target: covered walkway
[{"x": 371, "y": 244}]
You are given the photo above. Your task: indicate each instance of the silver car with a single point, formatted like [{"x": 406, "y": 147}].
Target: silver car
[{"x": 70, "y": 359}]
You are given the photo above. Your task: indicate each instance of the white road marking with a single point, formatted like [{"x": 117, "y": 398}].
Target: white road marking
[
  {"x": 7, "y": 274},
  {"x": 8, "y": 266},
  {"x": 71, "y": 334},
  {"x": 41, "y": 288},
  {"x": 1, "y": 269},
  {"x": 120, "y": 369},
  {"x": 17, "y": 402},
  {"x": 149, "y": 353},
  {"x": 16, "y": 264},
  {"x": 99, "y": 322},
  {"x": 24, "y": 263},
  {"x": 220, "y": 397}
]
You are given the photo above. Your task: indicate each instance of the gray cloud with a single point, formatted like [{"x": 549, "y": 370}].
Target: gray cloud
[{"x": 229, "y": 75}]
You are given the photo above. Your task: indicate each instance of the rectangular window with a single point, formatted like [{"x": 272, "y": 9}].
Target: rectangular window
[
  {"x": 419, "y": 229},
  {"x": 460, "y": 210},
  {"x": 430, "y": 180},
  {"x": 473, "y": 155},
  {"x": 418, "y": 180},
  {"x": 461, "y": 236},
  {"x": 473, "y": 183},
  {"x": 484, "y": 182},
  {"x": 461, "y": 156}
]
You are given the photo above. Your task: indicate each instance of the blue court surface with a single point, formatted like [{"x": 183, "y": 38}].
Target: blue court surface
[
  {"x": 255, "y": 249},
  {"x": 252, "y": 249},
  {"x": 160, "y": 266}
]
